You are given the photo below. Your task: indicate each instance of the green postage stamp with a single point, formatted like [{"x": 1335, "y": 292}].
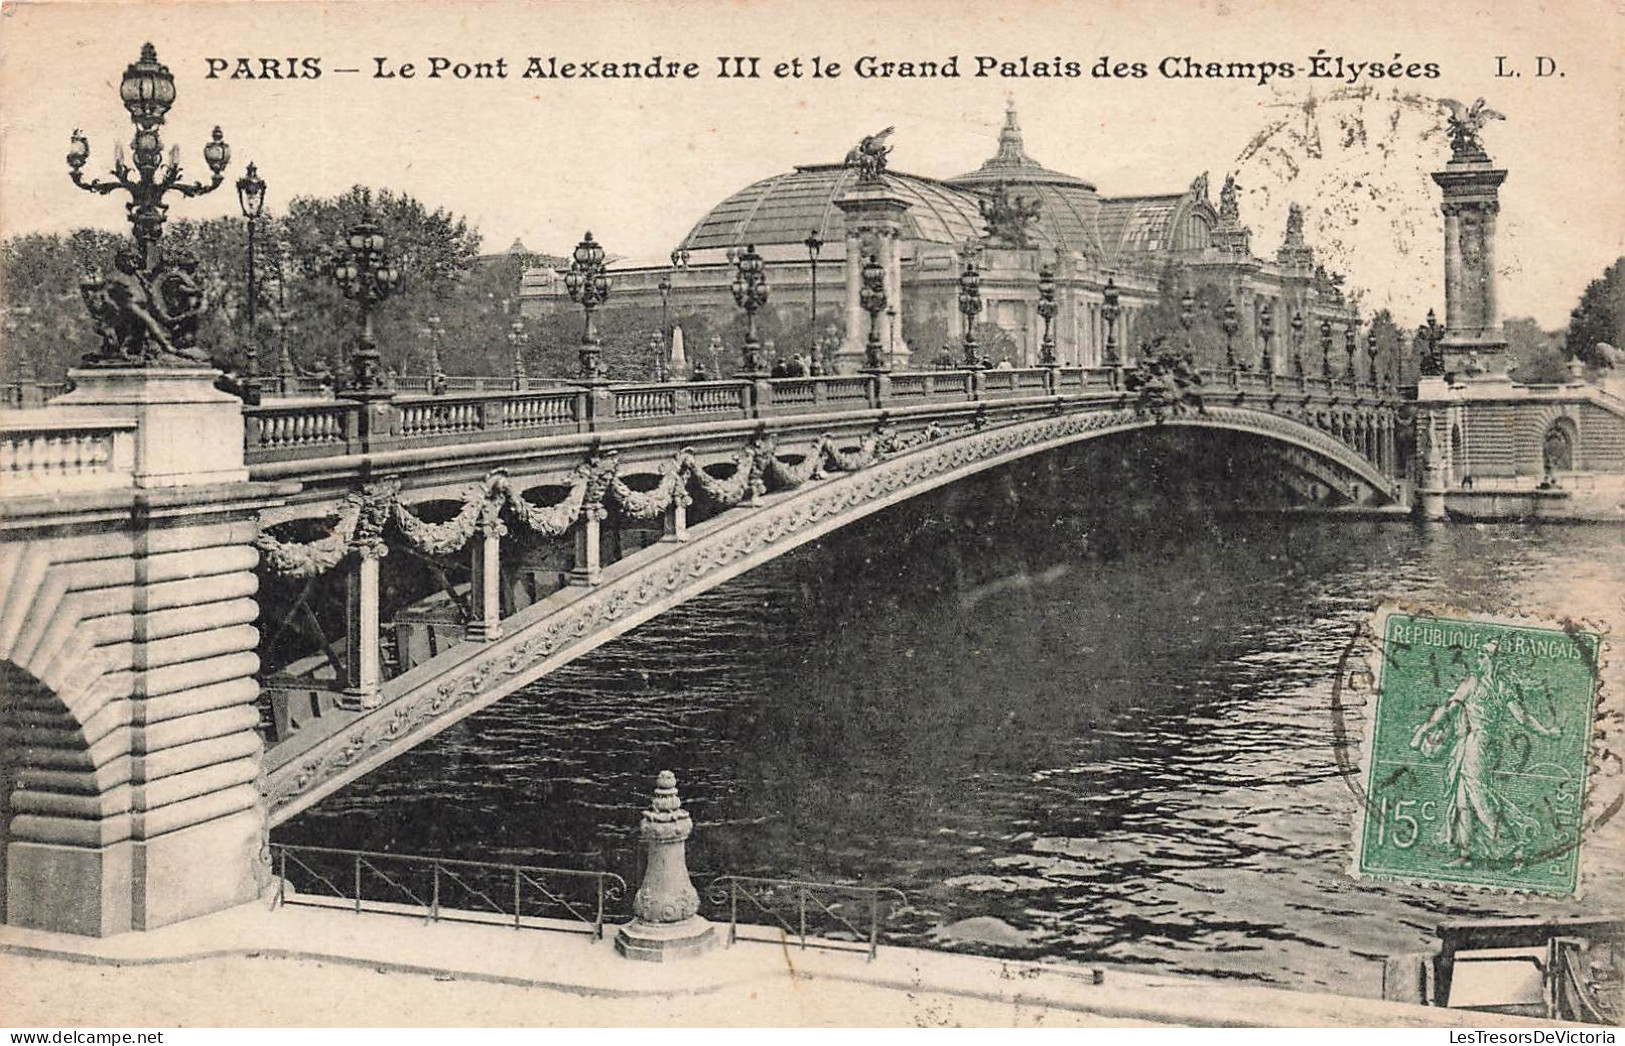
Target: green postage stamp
[{"x": 1477, "y": 749}]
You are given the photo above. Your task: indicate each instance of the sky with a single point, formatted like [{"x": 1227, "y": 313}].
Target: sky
[{"x": 639, "y": 161}]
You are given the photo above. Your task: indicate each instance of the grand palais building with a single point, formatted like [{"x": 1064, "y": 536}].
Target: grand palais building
[{"x": 1012, "y": 216}]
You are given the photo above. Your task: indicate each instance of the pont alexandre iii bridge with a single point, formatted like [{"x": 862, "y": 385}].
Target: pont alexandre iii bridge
[{"x": 153, "y": 738}]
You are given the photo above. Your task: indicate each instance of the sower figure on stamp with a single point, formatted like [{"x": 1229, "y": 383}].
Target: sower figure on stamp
[{"x": 1479, "y": 821}]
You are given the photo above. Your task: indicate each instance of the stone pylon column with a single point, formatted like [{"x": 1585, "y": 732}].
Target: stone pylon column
[
  {"x": 667, "y": 925},
  {"x": 1470, "y": 183},
  {"x": 871, "y": 211},
  {"x": 855, "y": 321}
]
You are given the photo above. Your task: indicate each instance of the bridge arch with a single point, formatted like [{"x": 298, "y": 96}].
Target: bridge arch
[
  {"x": 127, "y": 709},
  {"x": 548, "y": 634}
]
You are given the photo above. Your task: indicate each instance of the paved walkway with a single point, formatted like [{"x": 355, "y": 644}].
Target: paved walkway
[{"x": 315, "y": 966}]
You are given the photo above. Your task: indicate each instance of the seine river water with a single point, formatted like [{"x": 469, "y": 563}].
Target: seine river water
[{"x": 1073, "y": 696}]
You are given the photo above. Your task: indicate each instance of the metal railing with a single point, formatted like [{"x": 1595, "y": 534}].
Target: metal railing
[
  {"x": 444, "y": 890},
  {"x": 820, "y": 911}
]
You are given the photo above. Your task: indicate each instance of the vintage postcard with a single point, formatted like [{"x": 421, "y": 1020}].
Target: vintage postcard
[{"x": 756, "y": 513}]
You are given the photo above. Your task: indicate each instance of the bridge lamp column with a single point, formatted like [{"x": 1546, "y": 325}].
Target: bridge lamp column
[
  {"x": 1110, "y": 309},
  {"x": 367, "y": 278},
  {"x": 1428, "y": 336},
  {"x": 664, "y": 287},
  {"x": 516, "y": 338},
  {"x": 873, "y": 300},
  {"x": 750, "y": 294},
  {"x": 1371, "y": 353},
  {"x": 1231, "y": 325},
  {"x": 814, "y": 243},
  {"x": 1047, "y": 310},
  {"x": 1297, "y": 348},
  {"x": 588, "y": 285},
  {"x": 251, "y": 200},
  {"x": 1351, "y": 346},
  {"x": 1326, "y": 349},
  {"x": 970, "y": 306},
  {"x": 437, "y": 372}
]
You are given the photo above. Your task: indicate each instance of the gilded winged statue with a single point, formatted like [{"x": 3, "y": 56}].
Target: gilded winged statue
[
  {"x": 869, "y": 155},
  {"x": 1465, "y": 123}
]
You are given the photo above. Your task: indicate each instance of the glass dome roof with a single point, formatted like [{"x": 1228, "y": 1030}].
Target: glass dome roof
[{"x": 785, "y": 208}]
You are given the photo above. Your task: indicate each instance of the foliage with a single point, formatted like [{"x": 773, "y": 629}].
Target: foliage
[
  {"x": 1161, "y": 320},
  {"x": 1395, "y": 360},
  {"x": 1599, "y": 317},
  {"x": 46, "y": 326},
  {"x": 435, "y": 252},
  {"x": 1533, "y": 356}
]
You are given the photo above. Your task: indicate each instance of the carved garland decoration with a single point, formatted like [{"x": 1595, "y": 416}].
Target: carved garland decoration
[{"x": 362, "y": 515}]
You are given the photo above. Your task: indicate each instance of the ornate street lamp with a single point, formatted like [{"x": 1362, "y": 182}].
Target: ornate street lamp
[
  {"x": 516, "y": 338},
  {"x": 1266, "y": 332},
  {"x": 1351, "y": 346},
  {"x": 1371, "y": 352},
  {"x": 1109, "y": 311},
  {"x": 366, "y": 278},
  {"x": 148, "y": 90},
  {"x": 970, "y": 306},
  {"x": 1231, "y": 324},
  {"x": 132, "y": 336},
  {"x": 750, "y": 293},
  {"x": 1326, "y": 349},
  {"x": 1297, "y": 347},
  {"x": 814, "y": 243},
  {"x": 251, "y": 199},
  {"x": 873, "y": 299},
  {"x": 589, "y": 287},
  {"x": 1428, "y": 336},
  {"x": 1047, "y": 309}
]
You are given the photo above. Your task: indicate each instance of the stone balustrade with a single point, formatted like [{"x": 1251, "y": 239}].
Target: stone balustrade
[
  {"x": 42, "y": 452},
  {"x": 292, "y": 430}
]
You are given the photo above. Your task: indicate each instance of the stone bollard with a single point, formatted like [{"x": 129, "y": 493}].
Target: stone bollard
[{"x": 667, "y": 925}]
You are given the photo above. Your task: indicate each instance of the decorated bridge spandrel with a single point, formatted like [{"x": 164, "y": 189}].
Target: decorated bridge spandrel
[{"x": 647, "y": 495}]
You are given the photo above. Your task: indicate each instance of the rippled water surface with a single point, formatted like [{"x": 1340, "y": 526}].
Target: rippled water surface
[{"x": 1095, "y": 712}]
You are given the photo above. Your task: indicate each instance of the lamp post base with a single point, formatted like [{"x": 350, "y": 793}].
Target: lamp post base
[{"x": 665, "y": 942}]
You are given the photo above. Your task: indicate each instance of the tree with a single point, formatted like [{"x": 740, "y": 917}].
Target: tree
[
  {"x": 436, "y": 253},
  {"x": 46, "y": 326},
  {"x": 1395, "y": 362},
  {"x": 1533, "y": 356},
  {"x": 1162, "y": 319},
  {"x": 1599, "y": 317}
]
